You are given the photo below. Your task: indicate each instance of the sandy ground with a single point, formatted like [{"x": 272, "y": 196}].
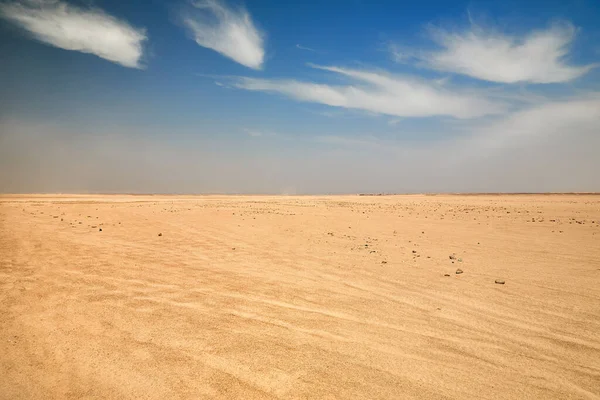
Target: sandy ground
[{"x": 300, "y": 297}]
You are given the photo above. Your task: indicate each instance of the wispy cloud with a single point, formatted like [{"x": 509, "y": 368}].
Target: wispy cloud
[
  {"x": 537, "y": 57},
  {"x": 253, "y": 132},
  {"x": 230, "y": 32},
  {"x": 544, "y": 147},
  {"x": 72, "y": 28},
  {"x": 381, "y": 93},
  {"x": 298, "y": 46}
]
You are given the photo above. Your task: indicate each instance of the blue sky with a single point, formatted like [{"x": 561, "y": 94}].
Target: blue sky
[{"x": 299, "y": 97}]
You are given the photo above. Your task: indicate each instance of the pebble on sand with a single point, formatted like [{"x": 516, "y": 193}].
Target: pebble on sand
[
  {"x": 459, "y": 271},
  {"x": 452, "y": 257},
  {"x": 499, "y": 281},
  {"x": 160, "y": 234},
  {"x": 446, "y": 274},
  {"x": 99, "y": 229}
]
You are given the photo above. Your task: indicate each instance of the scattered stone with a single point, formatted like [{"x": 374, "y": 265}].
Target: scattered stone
[
  {"x": 384, "y": 262},
  {"x": 100, "y": 229},
  {"x": 446, "y": 274},
  {"x": 414, "y": 252},
  {"x": 459, "y": 260},
  {"x": 452, "y": 257},
  {"x": 459, "y": 271},
  {"x": 233, "y": 248},
  {"x": 160, "y": 234},
  {"x": 499, "y": 281}
]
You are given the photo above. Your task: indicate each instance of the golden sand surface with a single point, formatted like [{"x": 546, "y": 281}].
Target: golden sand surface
[{"x": 300, "y": 297}]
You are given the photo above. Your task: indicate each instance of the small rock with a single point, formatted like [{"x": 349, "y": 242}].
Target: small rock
[
  {"x": 446, "y": 274},
  {"x": 459, "y": 271},
  {"x": 384, "y": 262},
  {"x": 233, "y": 248},
  {"x": 414, "y": 252},
  {"x": 160, "y": 234},
  {"x": 499, "y": 281},
  {"x": 452, "y": 257}
]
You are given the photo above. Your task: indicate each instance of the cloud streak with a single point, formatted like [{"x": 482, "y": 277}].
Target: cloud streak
[
  {"x": 229, "y": 32},
  {"x": 85, "y": 30},
  {"x": 299, "y": 46},
  {"x": 538, "y": 57},
  {"x": 380, "y": 93}
]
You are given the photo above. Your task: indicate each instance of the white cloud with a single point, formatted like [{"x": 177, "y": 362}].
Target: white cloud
[
  {"x": 253, "y": 133},
  {"x": 381, "y": 93},
  {"x": 229, "y": 32},
  {"x": 565, "y": 119},
  {"x": 299, "y": 46},
  {"x": 73, "y": 28},
  {"x": 538, "y": 57},
  {"x": 547, "y": 147}
]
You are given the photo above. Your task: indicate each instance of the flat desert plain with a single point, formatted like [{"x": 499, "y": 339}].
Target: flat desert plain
[{"x": 341, "y": 297}]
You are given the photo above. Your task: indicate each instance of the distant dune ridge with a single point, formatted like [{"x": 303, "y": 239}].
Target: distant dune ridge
[{"x": 292, "y": 297}]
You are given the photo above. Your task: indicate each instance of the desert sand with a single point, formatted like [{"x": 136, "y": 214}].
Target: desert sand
[{"x": 341, "y": 297}]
